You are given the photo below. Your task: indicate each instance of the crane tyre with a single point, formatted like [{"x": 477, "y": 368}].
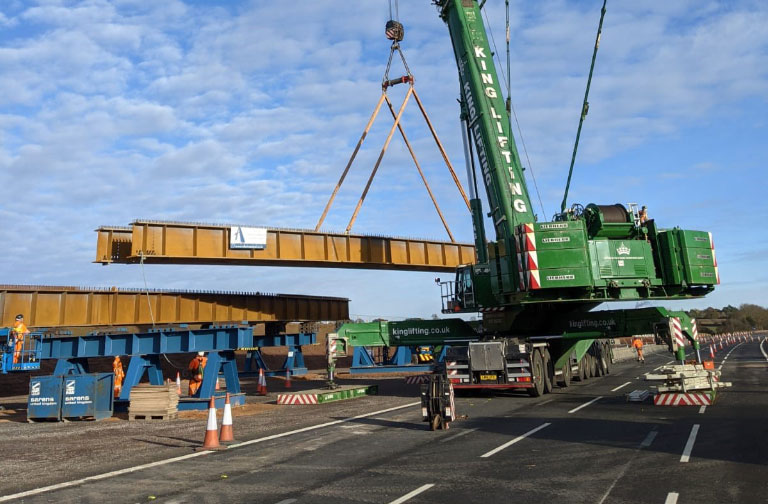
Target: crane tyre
[
  {"x": 608, "y": 353},
  {"x": 579, "y": 370},
  {"x": 565, "y": 379},
  {"x": 592, "y": 365},
  {"x": 537, "y": 375},
  {"x": 601, "y": 364},
  {"x": 549, "y": 372}
]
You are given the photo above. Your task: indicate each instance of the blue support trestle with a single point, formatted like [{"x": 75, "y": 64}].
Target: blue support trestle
[
  {"x": 219, "y": 362},
  {"x": 71, "y": 366},
  {"x": 363, "y": 361},
  {"x": 294, "y": 362},
  {"x": 136, "y": 368}
]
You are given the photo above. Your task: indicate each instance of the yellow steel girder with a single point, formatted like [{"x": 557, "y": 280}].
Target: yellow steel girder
[
  {"x": 189, "y": 243},
  {"x": 47, "y": 306}
]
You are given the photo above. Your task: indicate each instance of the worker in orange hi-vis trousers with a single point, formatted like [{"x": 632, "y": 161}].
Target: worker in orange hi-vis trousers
[
  {"x": 117, "y": 368},
  {"x": 638, "y": 344},
  {"x": 196, "y": 366},
  {"x": 19, "y": 332}
]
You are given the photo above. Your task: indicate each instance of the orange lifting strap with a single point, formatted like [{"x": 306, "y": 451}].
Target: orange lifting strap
[{"x": 386, "y": 83}]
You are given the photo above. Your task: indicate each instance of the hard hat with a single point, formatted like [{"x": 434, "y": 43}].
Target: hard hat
[
  {"x": 201, "y": 354},
  {"x": 19, "y": 317}
]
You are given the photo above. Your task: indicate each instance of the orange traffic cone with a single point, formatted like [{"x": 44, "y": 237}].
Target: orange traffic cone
[
  {"x": 711, "y": 352},
  {"x": 226, "y": 435},
  {"x": 178, "y": 383},
  {"x": 217, "y": 382},
  {"x": 211, "y": 441},
  {"x": 262, "y": 387},
  {"x": 287, "y": 378}
]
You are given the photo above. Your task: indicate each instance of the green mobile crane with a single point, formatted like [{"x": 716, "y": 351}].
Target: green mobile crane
[{"x": 537, "y": 283}]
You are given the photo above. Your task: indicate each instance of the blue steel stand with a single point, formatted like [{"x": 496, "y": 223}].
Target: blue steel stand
[
  {"x": 218, "y": 363},
  {"x": 136, "y": 368},
  {"x": 294, "y": 362},
  {"x": 363, "y": 361},
  {"x": 71, "y": 366}
]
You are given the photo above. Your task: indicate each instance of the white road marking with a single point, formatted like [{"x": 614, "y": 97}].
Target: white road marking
[
  {"x": 544, "y": 402},
  {"x": 416, "y": 492},
  {"x": 649, "y": 439},
  {"x": 672, "y": 498},
  {"x": 287, "y": 501},
  {"x": 128, "y": 470},
  {"x": 574, "y": 410},
  {"x": 518, "y": 438},
  {"x": 621, "y": 386},
  {"x": 458, "y": 435},
  {"x": 702, "y": 409},
  {"x": 689, "y": 445},
  {"x": 762, "y": 350},
  {"x": 729, "y": 353},
  {"x": 645, "y": 444}
]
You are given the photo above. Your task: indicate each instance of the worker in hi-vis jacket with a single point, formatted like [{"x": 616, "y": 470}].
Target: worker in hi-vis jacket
[
  {"x": 18, "y": 333},
  {"x": 196, "y": 367},
  {"x": 117, "y": 368}
]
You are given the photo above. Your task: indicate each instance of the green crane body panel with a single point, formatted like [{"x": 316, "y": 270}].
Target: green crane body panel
[
  {"x": 407, "y": 333},
  {"x": 565, "y": 331}
]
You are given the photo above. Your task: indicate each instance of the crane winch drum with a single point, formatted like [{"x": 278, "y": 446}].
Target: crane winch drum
[{"x": 608, "y": 221}]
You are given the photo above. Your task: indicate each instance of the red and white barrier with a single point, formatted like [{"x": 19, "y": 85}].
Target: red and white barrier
[
  {"x": 682, "y": 399},
  {"x": 297, "y": 399}
]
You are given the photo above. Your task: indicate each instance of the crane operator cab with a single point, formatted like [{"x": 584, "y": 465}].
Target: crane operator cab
[{"x": 459, "y": 295}]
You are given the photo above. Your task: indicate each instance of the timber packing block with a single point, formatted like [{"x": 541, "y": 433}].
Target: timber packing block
[{"x": 320, "y": 396}]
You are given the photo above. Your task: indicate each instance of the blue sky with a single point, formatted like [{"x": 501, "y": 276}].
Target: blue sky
[{"x": 189, "y": 111}]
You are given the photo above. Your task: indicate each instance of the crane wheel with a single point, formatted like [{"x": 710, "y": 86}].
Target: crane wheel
[
  {"x": 565, "y": 381},
  {"x": 436, "y": 422},
  {"x": 549, "y": 372},
  {"x": 537, "y": 375}
]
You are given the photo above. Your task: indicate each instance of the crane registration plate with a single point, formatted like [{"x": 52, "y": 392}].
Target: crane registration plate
[{"x": 487, "y": 377}]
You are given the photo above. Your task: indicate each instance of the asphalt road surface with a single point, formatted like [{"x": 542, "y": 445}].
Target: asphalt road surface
[{"x": 582, "y": 444}]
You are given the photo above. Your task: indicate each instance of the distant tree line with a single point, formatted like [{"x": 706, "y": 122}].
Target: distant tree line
[{"x": 744, "y": 318}]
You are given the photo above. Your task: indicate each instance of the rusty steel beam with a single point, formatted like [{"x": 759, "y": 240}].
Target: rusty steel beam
[
  {"x": 46, "y": 306},
  {"x": 190, "y": 243}
]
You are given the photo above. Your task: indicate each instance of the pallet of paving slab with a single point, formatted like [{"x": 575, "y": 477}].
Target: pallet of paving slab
[
  {"x": 151, "y": 398},
  {"x": 152, "y": 415}
]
